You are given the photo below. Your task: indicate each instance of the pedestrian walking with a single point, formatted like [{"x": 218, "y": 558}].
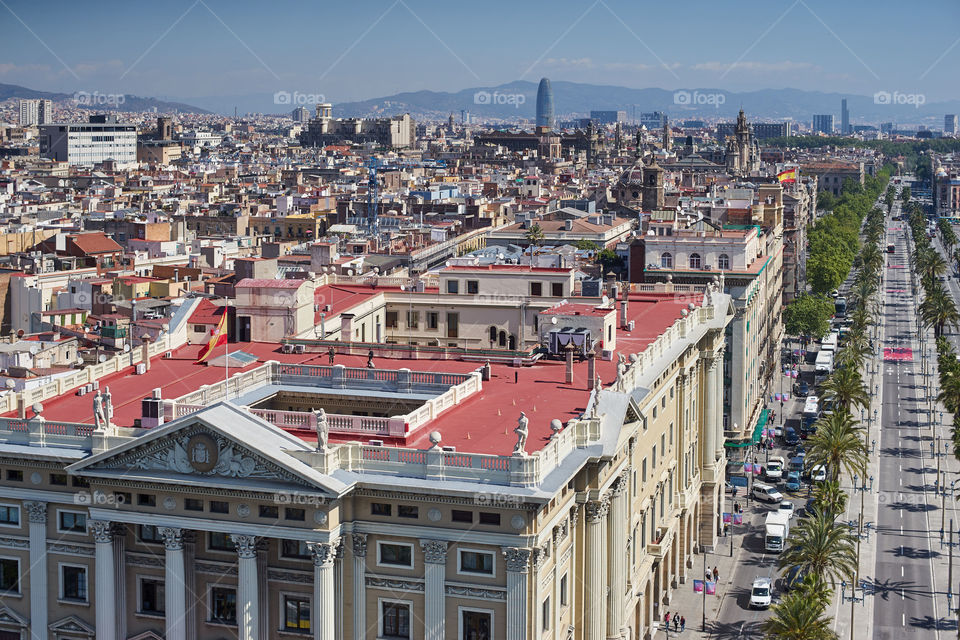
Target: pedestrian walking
[
  {"x": 331, "y": 354},
  {"x": 676, "y": 622},
  {"x": 683, "y": 623},
  {"x": 370, "y": 364},
  {"x": 666, "y": 620},
  {"x": 716, "y": 575}
]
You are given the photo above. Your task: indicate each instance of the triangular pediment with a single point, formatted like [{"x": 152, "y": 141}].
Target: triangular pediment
[
  {"x": 10, "y": 618},
  {"x": 219, "y": 445},
  {"x": 72, "y": 625},
  {"x": 146, "y": 635}
]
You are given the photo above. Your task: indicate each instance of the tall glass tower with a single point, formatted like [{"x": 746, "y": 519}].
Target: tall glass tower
[{"x": 545, "y": 104}]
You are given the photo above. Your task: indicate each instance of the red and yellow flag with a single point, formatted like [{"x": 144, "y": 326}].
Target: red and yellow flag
[
  {"x": 217, "y": 338},
  {"x": 789, "y": 175}
]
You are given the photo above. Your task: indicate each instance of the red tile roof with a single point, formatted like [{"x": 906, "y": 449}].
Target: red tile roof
[{"x": 95, "y": 242}]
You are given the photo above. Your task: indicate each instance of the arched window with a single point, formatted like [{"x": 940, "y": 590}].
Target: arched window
[
  {"x": 694, "y": 260},
  {"x": 493, "y": 334},
  {"x": 666, "y": 260},
  {"x": 503, "y": 339},
  {"x": 723, "y": 262}
]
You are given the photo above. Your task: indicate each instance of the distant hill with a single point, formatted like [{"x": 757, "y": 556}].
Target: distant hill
[
  {"x": 518, "y": 99},
  {"x": 130, "y": 102}
]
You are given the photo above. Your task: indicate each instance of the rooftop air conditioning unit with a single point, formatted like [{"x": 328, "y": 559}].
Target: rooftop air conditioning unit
[
  {"x": 449, "y": 448},
  {"x": 299, "y": 348},
  {"x": 141, "y": 369},
  {"x": 607, "y": 354},
  {"x": 82, "y": 391},
  {"x": 376, "y": 443},
  {"x": 287, "y": 348},
  {"x": 168, "y": 355},
  {"x": 631, "y": 325},
  {"x": 96, "y": 384},
  {"x": 707, "y": 267}
]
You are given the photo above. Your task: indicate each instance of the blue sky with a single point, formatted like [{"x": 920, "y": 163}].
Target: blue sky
[{"x": 365, "y": 49}]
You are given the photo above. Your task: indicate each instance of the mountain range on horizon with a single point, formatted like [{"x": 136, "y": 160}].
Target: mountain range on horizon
[
  {"x": 130, "y": 103},
  {"x": 516, "y": 100}
]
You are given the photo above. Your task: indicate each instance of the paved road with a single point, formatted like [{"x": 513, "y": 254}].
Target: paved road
[{"x": 904, "y": 582}]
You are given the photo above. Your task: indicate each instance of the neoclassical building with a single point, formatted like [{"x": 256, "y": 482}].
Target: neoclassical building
[{"x": 421, "y": 504}]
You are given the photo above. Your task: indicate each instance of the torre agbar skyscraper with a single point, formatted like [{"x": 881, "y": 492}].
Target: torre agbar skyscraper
[{"x": 545, "y": 104}]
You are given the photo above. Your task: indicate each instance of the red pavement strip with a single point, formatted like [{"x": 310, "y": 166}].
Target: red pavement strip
[{"x": 899, "y": 355}]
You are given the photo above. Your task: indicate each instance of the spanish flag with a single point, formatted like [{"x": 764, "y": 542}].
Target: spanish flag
[
  {"x": 789, "y": 175},
  {"x": 217, "y": 338}
]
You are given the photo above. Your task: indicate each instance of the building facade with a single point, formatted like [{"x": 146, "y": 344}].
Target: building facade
[{"x": 87, "y": 144}]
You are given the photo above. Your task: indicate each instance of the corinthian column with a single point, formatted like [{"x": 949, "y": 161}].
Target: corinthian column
[
  {"x": 37, "y": 514},
  {"x": 518, "y": 566},
  {"x": 595, "y": 607},
  {"x": 717, "y": 407},
  {"x": 359, "y": 586},
  {"x": 105, "y": 593},
  {"x": 174, "y": 585},
  {"x": 709, "y": 413},
  {"x": 248, "y": 602},
  {"x": 617, "y": 558},
  {"x": 435, "y": 561},
  {"x": 324, "y": 625}
]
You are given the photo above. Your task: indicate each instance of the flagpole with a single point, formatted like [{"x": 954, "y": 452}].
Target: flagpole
[{"x": 226, "y": 349}]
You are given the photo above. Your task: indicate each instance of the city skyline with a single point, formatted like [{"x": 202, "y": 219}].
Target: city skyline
[{"x": 154, "y": 50}]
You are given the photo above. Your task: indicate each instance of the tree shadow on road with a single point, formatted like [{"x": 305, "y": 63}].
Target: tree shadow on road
[
  {"x": 735, "y": 630},
  {"x": 886, "y": 588},
  {"x": 931, "y": 623}
]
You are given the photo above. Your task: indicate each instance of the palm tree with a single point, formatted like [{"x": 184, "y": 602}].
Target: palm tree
[
  {"x": 830, "y": 498},
  {"x": 853, "y": 354},
  {"x": 535, "y": 235},
  {"x": 797, "y": 617},
  {"x": 930, "y": 264},
  {"x": 822, "y": 549},
  {"x": 938, "y": 310},
  {"x": 845, "y": 387},
  {"x": 950, "y": 390},
  {"x": 838, "y": 445}
]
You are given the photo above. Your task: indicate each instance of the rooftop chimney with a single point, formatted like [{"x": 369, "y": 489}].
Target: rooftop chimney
[{"x": 569, "y": 349}]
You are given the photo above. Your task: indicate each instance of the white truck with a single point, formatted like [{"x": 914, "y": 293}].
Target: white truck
[
  {"x": 777, "y": 528},
  {"x": 824, "y": 363}
]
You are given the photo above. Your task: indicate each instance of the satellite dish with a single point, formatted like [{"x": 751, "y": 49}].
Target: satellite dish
[
  {"x": 34, "y": 349},
  {"x": 126, "y": 347},
  {"x": 553, "y": 320},
  {"x": 605, "y": 300}
]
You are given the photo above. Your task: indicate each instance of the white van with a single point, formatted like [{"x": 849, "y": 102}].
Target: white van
[{"x": 766, "y": 492}]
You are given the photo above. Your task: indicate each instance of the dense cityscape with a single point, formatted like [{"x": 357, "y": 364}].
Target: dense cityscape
[{"x": 536, "y": 360}]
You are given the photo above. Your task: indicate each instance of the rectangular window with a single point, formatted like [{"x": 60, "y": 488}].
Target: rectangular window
[
  {"x": 219, "y": 541},
  {"x": 663, "y": 444},
  {"x": 269, "y": 511},
  {"x": 9, "y": 515},
  {"x": 9, "y": 575},
  {"x": 536, "y": 289},
  {"x": 380, "y": 509},
  {"x": 193, "y": 504},
  {"x": 73, "y": 583},
  {"x": 453, "y": 325},
  {"x": 413, "y": 319},
  {"x": 58, "y": 479},
  {"x": 223, "y": 605},
  {"x": 643, "y": 466},
  {"x": 219, "y": 506},
  {"x": 392, "y": 319},
  {"x": 476, "y": 624},
  {"x": 490, "y": 518},
  {"x": 294, "y": 549},
  {"x": 395, "y": 554},
  {"x": 453, "y": 286},
  {"x": 293, "y": 513},
  {"x": 556, "y": 289},
  {"x": 653, "y": 456},
  {"x": 546, "y": 614},
  {"x": 433, "y": 320},
  {"x": 71, "y": 522},
  {"x": 296, "y": 613},
  {"x": 146, "y": 500},
  {"x": 563, "y": 590},
  {"x": 461, "y": 516},
  {"x": 148, "y": 533},
  {"x": 152, "y": 596},
  {"x": 395, "y": 620},
  {"x": 14, "y": 475},
  {"x": 408, "y": 511},
  {"x": 476, "y": 562},
  {"x": 473, "y": 286}
]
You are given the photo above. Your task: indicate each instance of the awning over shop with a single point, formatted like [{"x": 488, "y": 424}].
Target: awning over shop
[{"x": 755, "y": 436}]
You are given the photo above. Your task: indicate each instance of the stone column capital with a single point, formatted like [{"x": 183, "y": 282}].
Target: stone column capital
[
  {"x": 36, "y": 511},
  {"x": 246, "y": 545},
  {"x": 323, "y": 553},
  {"x": 102, "y": 531},
  {"x": 359, "y": 544},
  {"x": 172, "y": 538},
  {"x": 517, "y": 559},
  {"x": 597, "y": 509},
  {"x": 434, "y": 551}
]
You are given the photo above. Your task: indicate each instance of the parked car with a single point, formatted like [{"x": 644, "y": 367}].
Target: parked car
[
  {"x": 792, "y": 483},
  {"x": 792, "y": 578},
  {"x": 766, "y": 492},
  {"x": 818, "y": 473},
  {"x": 786, "y": 507},
  {"x": 761, "y": 595}
]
